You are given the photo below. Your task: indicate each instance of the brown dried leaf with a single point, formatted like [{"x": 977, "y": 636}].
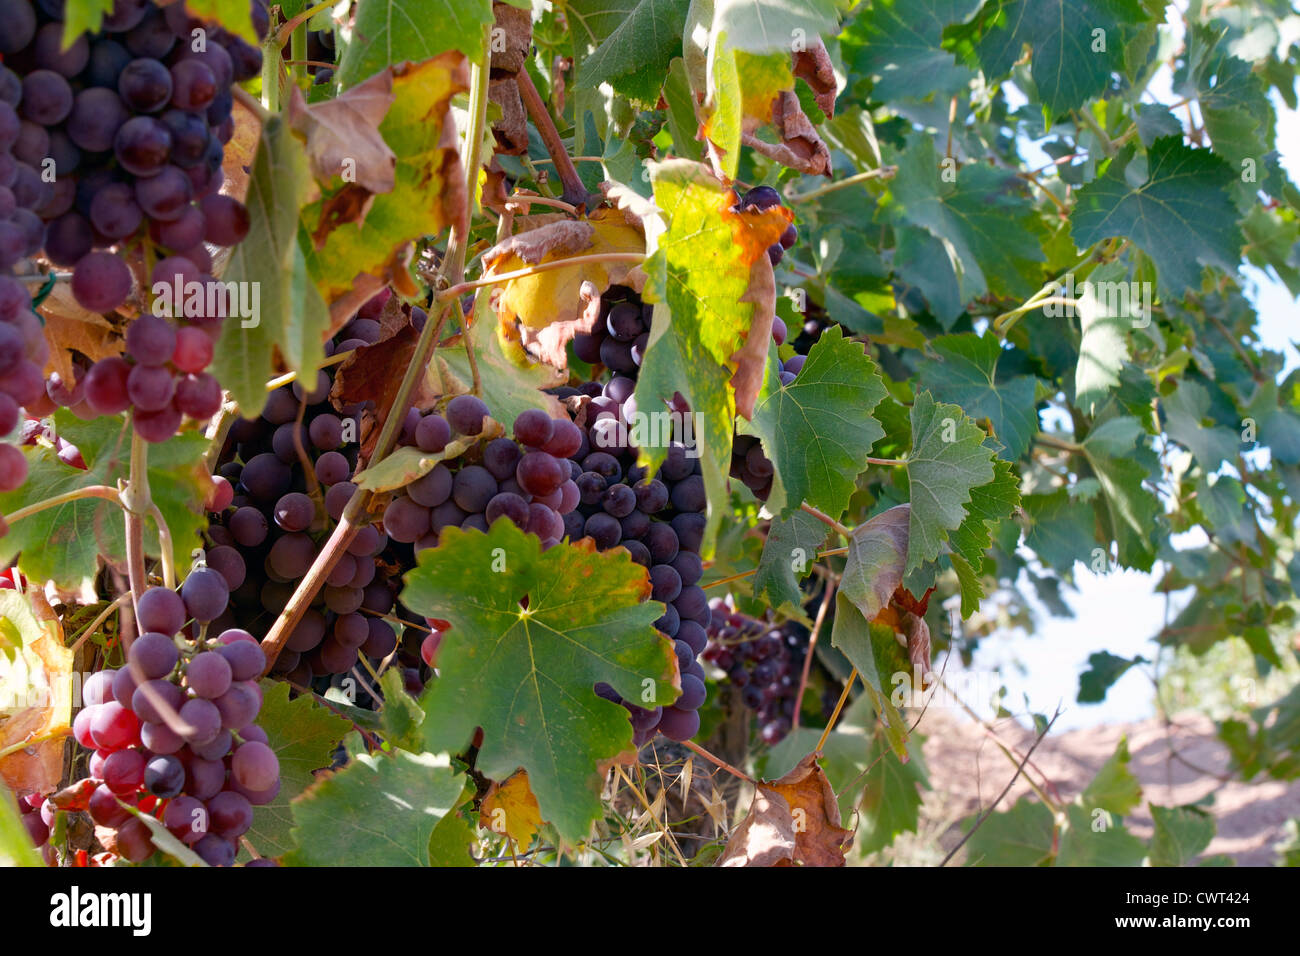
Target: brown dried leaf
[
  {"x": 511, "y": 131},
  {"x": 374, "y": 373},
  {"x": 794, "y": 821},
  {"x": 343, "y": 134},
  {"x": 751, "y": 358},
  {"x": 800, "y": 147},
  {"x": 512, "y": 36},
  {"x": 70, "y": 328},
  {"x": 813, "y": 65}
]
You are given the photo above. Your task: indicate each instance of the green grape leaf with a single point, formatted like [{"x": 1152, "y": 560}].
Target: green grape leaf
[
  {"x": 1180, "y": 834},
  {"x": 759, "y": 26},
  {"x": 922, "y": 260},
  {"x": 874, "y": 650},
  {"x": 1275, "y": 425},
  {"x": 1103, "y": 347},
  {"x": 1076, "y": 45},
  {"x": 992, "y": 233},
  {"x": 454, "y": 835},
  {"x": 1104, "y": 669},
  {"x": 1114, "y": 788},
  {"x": 989, "y": 504},
  {"x": 427, "y": 197},
  {"x": 379, "y": 810},
  {"x": 873, "y": 569},
  {"x": 1182, "y": 216},
  {"x": 675, "y": 362},
  {"x": 899, "y": 44},
  {"x": 287, "y": 315},
  {"x": 948, "y": 459},
  {"x": 1233, "y": 100},
  {"x": 82, "y": 16},
  {"x": 1185, "y": 411},
  {"x": 526, "y": 676},
  {"x": 818, "y": 430},
  {"x": 386, "y": 32},
  {"x": 1021, "y": 836},
  {"x": 966, "y": 374},
  {"x": 65, "y": 543},
  {"x": 1128, "y": 511},
  {"x": 401, "y": 715},
  {"x": 1091, "y": 839},
  {"x": 635, "y": 41},
  {"x": 1061, "y": 529},
  {"x": 303, "y": 735},
  {"x": 789, "y": 554},
  {"x": 710, "y": 63}
]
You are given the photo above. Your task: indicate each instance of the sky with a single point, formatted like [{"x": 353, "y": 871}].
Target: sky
[{"x": 1119, "y": 612}]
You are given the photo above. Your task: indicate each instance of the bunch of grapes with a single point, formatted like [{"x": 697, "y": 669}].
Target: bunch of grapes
[
  {"x": 173, "y": 730},
  {"x": 120, "y": 136},
  {"x": 618, "y": 340},
  {"x": 282, "y": 484},
  {"x": 320, "y": 50},
  {"x": 527, "y": 479},
  {"x": 763, "y": 660},
  {"x": 23, "y": 353}
]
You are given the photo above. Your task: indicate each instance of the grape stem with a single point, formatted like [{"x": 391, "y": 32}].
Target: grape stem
[
  {"x": 249, "y": 100},
  {"x": 349, "y": 522},
  {"x": 33, "y": 741},
  {"x": 827, "y": 520},
  {"x": 164, "y": 546},
  {"x": 137, "y": 500},
  {"x": 455, "y": 291},
  {"x": 883, "y": 172},
  {"x": 835, "y": 715},
  {"x": 574, "y": 192},
  {"x": 717, "y": 761},
  {"x": 90, "y": 491},
  {"x": 808, "y": 654},
  {"x": 285, "y": 32}
]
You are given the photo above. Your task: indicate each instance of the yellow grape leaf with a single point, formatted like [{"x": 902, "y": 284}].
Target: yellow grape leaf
[
  {"x": 511, "y": 808},
  {"x": 762, "y": 78},
  {"x": 540, "y": 300}
]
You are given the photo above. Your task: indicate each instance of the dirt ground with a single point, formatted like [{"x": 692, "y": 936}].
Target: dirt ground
[{"x": 1176, "y": 764}]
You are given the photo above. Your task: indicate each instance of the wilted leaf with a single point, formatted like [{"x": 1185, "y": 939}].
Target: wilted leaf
[
  {"x": 873, "y": 569},
  {"x": 36, "y": 684},
  {"x": 794, "y": 821},
  {"x": 428, "y": 192},
  {"x": 799, "y": 147},
  {"x": 343, "y": 137},
  {"x": 407, "y": 464}
]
